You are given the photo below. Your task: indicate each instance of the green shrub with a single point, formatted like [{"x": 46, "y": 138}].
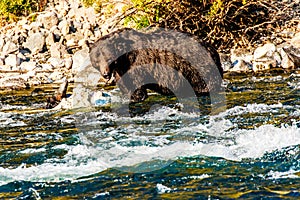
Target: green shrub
[{"x": 10, "y": 8}]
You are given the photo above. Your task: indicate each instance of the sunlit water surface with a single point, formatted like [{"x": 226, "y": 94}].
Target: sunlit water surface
[{"x": 248, "y": 149}]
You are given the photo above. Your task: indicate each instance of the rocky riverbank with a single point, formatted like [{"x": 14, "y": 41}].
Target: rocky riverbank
[{"x": 45, "y": 47}]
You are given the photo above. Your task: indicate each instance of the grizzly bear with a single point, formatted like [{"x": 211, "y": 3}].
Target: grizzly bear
[{"x": 166, "y": 62}]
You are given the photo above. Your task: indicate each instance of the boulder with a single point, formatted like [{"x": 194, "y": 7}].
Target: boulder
[
  {"x": 71, "y": 43},
  {"x": 56, "y": 76},
  {"x": 241, "y": 54},
  {"x": 12, "y": 60},
  {"x": 5, "y": 68},
  {"x": 56, "y": 62},
  {"x": 35, "y": 43},
  {"x": 1, "y": 61},
  {"x": 79, "y": 58},
  {"x": 240, "y": 66},
  {"x": 9, "y": 47},
  {"x": 50, "y": 39},
  {"x": 46, "y": 67},
  {"x": 64, "y": 27},
  {"x": 263, "y": 65},
  {"x": 90, "y": 15},
  {"x": 77, "y": 25},
  {"x": 294, "y": 54},
  {"x": 68, "y": 62},
  {"x": 286, "y": 62},
  {"x": 28, "y": 66},
  {"x": 295, "y": 41},
  {"x": 2, "y": 43},
  {"x": 58, "y": 50},
  {"x": 266, "y": 50},
  {"x": 48, "y": 20}
]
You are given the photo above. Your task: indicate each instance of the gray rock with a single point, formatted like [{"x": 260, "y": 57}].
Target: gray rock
[
  {"x": 35, "y": 43},
  {"x": 77, "y": 25},
  {"x": 240, "y": 66},
  {"x": 46, "y": 67},
  {"x": 12, "y": 60},
  {"x": 2, "y": 43},
  {"x": 294, "y": 54},
  {"x": 5, "y": 68},
  {"x": 9, "y": 47},
  {"x": 295, "y": 41},
  {"x": 56, "y": 76},
  {"x": 71, "y": 43},
  {"x": 58, "y": 50},
  {"x": 241, "y": 54},
  {"x": 265, "y": 51},
  {"x": 48, "y": 19},
  {"x": 79, "y": 58},
  {"x": 90, "y": 15},
  {"x": 28, "y": 66},
  {"x": 277, "y": 57},
  {"x": 76, "y": 37},
  {"x": 68, "y": 62},
  {"x": 86, "y": 26},
  {"x": 1, "y": 61},
  {"x": 50, "y": 39},
  {"x": 56, "y": 62},
  {"x": 64, "y": 27},
  {"x": 14, "y": 82},
  {"x": 88, "y": 33},
  {"x": 263, "y": 65},
  {"x": 36, "y": 26},
  {"x": 286, "y": 62}
]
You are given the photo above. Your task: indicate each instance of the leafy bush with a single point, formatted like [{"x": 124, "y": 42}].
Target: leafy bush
[
  {"x": 11, "y": 9},
  {"x": 223, "y": 23}
]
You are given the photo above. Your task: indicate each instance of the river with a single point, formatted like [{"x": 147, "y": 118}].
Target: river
[{"x": 250, "y": 148}]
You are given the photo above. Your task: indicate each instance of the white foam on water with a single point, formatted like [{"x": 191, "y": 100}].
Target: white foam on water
[
  {"x": 31, "y": 150},
  {"x": 89, "y": 157},
  {"x": 279, "y": 175},
  {"x": 161, "y": 189},
  {"x": 7, "y": 121},
  {"x": 12, "y": 107}
]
